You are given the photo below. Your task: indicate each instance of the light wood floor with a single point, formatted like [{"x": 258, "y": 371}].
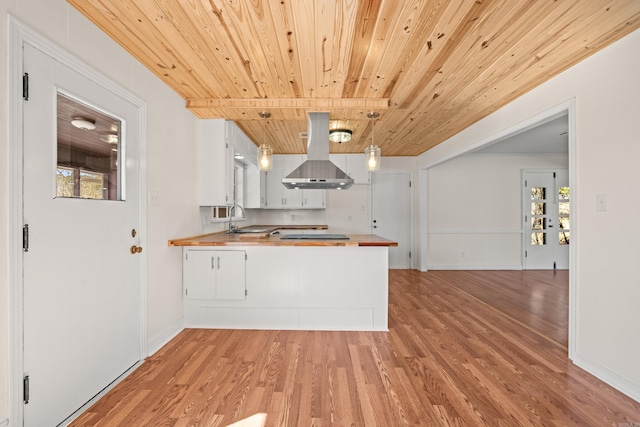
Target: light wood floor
[{"x": 470, "y": 348}]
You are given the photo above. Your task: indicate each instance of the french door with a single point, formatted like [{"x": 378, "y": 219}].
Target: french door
[
  {"x": 546, "y": 200},
  {"x": 82, "y": 203}
]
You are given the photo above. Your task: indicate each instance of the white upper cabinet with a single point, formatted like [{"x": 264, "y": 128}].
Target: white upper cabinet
[
  {"x": 220, "y": 180},
  {"x": 353, "y": 165},
  {"x": 215, "y": 163},
  {"x": 277, "y": 196}
]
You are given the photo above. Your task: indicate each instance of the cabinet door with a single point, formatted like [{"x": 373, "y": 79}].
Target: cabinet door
[
  {"x": 279, "y": 196},
  {"x": 312, "y": 198},
  {"x": 356, "y": 169},
  {"x": 215, "y": 163},
  {"x": 230, "y": 269},
  {"x": 199, "y": 274},
  {"x": 252, "y": 188},
  {"x": 275, "y": 198}
]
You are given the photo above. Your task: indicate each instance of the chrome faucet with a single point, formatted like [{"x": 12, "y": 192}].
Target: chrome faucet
[{"x": 231, "y": 227}]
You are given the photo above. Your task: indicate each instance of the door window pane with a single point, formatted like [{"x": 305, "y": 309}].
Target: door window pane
[
  {"x": 537, "y": 223},
  {"x": 538, "y": 208},
  {"x": 563, "y": 208},
  {"x": 563, "y": 238},
  {"x": 538, "y": 239},
  {"x": 88, "y": 150},
  {"x": 563, "y": 193},
  {"x": 538, "y": 193}
]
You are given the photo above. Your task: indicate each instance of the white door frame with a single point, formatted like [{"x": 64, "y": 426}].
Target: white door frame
[
  {"x": 569, "y": 107},
  {"x": 20, "y": 34}
]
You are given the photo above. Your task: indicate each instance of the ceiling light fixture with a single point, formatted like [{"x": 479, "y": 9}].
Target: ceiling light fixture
[
  {"x": 265, "y": 153},
  {"x": 372, "y": 152},
  {"x": 83, "y": 123},
  {"x": 340, "y": 135}
]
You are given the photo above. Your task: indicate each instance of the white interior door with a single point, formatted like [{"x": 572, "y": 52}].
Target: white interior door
[
  {"x": 82, "y": 306},
  {"x": 391, "y": 214},
  {"x": 546, "y": 219}
]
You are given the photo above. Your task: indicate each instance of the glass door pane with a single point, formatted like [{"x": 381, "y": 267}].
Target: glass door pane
[{"x": 88, "y": 152}]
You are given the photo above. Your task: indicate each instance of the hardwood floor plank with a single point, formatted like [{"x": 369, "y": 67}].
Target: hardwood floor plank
[{"x": 463, "y": 349}]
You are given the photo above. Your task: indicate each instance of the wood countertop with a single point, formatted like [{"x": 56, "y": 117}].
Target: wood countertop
[{"x": 266, "y": 237}]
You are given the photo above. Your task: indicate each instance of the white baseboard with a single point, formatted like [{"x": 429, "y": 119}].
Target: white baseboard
[
  {"x": 474, "y": 267},
  {"x": 614, "y": 380},
  {"x": 157, "y": 342}
]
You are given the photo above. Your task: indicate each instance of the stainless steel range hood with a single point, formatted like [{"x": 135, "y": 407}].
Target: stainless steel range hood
[{"x": 318, "y": 172}]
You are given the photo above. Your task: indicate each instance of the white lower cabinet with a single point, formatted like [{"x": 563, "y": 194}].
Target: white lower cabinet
[
  {"x": 288, "y": 287},
  {"x": 214, "y": 275}
]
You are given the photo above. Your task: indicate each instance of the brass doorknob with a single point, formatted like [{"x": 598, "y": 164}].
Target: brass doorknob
[{"x": 135, "y": 249}]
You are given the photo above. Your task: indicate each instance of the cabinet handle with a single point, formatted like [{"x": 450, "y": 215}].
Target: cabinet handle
[
  {"x": 218, "y": 263},
  {"x": 213, "y": 263}
]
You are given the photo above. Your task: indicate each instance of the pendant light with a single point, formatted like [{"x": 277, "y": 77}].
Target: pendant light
[
  {"x": 372, "y": 152},
  {"x": 265, "y": 153}
]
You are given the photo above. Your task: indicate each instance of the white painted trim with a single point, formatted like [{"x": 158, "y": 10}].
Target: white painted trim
[
  {"x": 474, "y": 267},
  {"x": 166, "y": 335},
  {"x": 520, "y": 127},
  {"x": 474, "y": 231},
  {"x": 569, "y": 107},
  {"x": 573, "y": 253},
  {"x": 616, "y": 381},
  {"x": 18, "y": 35},
  {"x": 423, "y": 229},
  {"x": 99, "y": 396}
]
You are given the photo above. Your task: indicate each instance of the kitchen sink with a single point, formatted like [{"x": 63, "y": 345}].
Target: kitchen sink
[
  {"x": 315, "y": 237},
  {"x": 250, "y": 230}
]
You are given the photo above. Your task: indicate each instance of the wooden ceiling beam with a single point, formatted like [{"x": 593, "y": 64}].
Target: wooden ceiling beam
[
  {"x": 374, "y": 104},
  {"x": 287, "y": 108}
]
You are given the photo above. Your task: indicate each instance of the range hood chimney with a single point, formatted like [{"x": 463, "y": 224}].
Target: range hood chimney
[{"x": 318, "y": 172}]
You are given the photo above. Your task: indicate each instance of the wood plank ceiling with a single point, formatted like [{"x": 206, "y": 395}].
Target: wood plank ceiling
[{"x": 430, "y": 67}]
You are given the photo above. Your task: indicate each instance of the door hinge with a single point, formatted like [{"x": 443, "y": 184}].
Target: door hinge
[
  {"x": 245, "y": 293},
  {"x": 245, "y": 256},
  {"x": 409, "y": 184},
  {"x": 525, "y": 182},
  {"x": 25, "y": 86},
  {"x": 554, "y": 265},
  {"x": 186, "y": 292},
  {"x": 409, "y": 254},
  {"x": 25, "y": 389},
  {"x": 525, "y": 254},
  {"x": 25, "y": 238}
]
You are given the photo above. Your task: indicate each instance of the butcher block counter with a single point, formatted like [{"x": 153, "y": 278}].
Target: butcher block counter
[
  {"x": 283, "y": 277},
  {"x": 275, "y": 235}
]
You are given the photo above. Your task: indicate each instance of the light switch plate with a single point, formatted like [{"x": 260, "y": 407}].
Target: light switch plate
[{"x": 602, "y": 202}]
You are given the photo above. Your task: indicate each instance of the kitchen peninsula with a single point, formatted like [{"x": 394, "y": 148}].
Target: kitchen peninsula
[{"x": 261, "y": 278}]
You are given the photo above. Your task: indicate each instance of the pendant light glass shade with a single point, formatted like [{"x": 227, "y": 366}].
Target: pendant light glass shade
[
  {"x": 265, "y": 157},
  {"x": 372, "y": 156},
  {"x": 372, "y": 152},
  {"x": 265, "y": 152}
]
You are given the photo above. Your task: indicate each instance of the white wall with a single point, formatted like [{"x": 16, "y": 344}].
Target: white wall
[
  {"x": 474, "y": 216},
  {"x": 170, "y": 168},
  {"x": 605, "y": 251}
]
